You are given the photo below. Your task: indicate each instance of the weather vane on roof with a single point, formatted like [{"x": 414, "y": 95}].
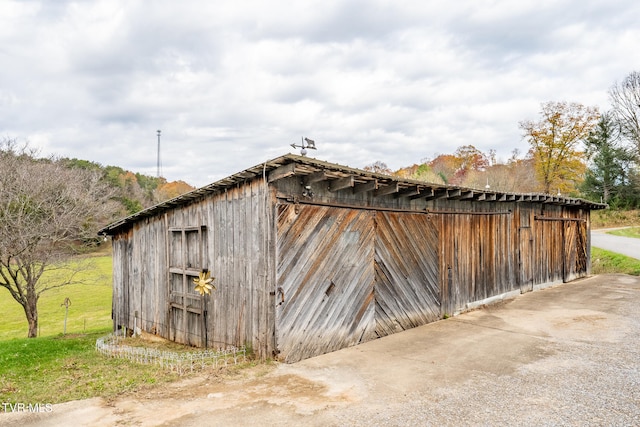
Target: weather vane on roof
[{"x": 311, "y": 144}]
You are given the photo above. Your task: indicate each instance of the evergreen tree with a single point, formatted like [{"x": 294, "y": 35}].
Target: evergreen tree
[{"x": 610, "y": 163}]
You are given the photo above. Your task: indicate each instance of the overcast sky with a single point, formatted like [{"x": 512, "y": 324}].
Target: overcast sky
[{"x": 234, "y": 83}]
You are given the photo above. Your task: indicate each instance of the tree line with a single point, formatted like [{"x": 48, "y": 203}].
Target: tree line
[
  {"x": 132, "y": 191},
  {"x": 574, "y": 150}
]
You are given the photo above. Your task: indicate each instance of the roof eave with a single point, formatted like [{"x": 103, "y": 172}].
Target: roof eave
[{"x": 290, "y": 164}]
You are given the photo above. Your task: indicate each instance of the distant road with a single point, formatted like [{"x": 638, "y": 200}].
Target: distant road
[{"x": 628, "y": 246}]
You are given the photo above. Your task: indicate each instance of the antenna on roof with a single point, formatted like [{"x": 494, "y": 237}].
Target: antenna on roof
[{"x": 311, "y": 144}]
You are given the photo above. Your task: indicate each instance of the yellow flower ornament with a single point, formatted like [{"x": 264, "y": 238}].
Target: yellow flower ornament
[{"x": 203, "y": 282}]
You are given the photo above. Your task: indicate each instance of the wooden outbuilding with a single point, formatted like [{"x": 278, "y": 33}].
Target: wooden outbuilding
[{"x": 311, "y": 257}]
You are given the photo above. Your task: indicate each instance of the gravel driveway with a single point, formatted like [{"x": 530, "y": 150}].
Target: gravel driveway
[{"x": 567, "y": 355}]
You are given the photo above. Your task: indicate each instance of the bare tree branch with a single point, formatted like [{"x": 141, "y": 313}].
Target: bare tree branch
[
  {"x": 47, "y": 212},
  {"x": 625, "y": 101}
]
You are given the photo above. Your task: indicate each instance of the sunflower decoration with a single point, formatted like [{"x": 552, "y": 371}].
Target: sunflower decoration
[{"x": 203, "y": 282}]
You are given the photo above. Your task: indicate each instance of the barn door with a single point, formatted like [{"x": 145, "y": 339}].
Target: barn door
[
  {"x": 186, "y": 306},
  {"x": 575, "y": 250},
  {"x": 561, "y": 248},
  {"x": 525, "y": 259},
  {"x": 407, "y": 290},
  {"x": 324, "y": 298}
]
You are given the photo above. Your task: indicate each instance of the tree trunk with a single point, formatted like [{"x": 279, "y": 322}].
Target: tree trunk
[
  {"x": 33, "y": 328},
  {"x": 31, "y": 310}
]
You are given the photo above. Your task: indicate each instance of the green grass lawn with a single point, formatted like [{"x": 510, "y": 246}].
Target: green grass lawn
[
  {"x": 627, "y": 232},
  {"x": 58, "y": 369},
  {"x": 90, "y": 308},
  {"x": 603, "y": 262}
]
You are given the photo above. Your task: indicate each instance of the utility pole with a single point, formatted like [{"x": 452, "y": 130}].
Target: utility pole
[{"x": 158, "y": 153}]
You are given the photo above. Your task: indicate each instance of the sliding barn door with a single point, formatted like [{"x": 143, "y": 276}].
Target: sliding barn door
[
  {"x": 407, "y": 291},
  {"x": 347, "y": 276},
  {"x": 575, "y": 250},
  {"x": 325, "y": 275}
]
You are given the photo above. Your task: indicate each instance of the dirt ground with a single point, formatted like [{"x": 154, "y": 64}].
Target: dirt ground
[{"x": 565, "y": 355}]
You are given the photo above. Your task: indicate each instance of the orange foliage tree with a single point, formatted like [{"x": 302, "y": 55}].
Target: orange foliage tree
[
  {"x": 555, "y": 142},
  {"x": 172, "y": 189}
]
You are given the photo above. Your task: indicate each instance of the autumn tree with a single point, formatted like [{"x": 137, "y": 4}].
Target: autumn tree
[
  {"x": 170, "y": 190},
  {"x": 420, "y": 172},
  {"x": 555, "y": 143},
  {"x": 625, "y": 101},
  {"x": 47, "y": 210},
  {"x": 445, "y": 166},
  {"x": 514, "y": 175},
  {"x": 471, "y": 158},
  {"x": 378, "y": 167}
]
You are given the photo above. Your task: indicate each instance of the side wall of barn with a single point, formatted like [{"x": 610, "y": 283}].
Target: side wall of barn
[
  {"x": 486, "y": 249},
  {"x": 503, "y": 248},
  {"x": 228, "y": 234}
]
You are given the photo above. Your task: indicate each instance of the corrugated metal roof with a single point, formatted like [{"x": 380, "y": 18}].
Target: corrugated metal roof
[{"x": 290, "y": 164}]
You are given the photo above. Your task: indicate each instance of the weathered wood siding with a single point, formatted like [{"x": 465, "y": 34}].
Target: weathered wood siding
[
  {"x": 325, "y": 280},
  {"x": 120, "y": 301},
  {"x": 478, "y": 254},
  {"x": 407, "y": 291},
  {"x": 561, "y": 245},
  {"x": 508, "y": 247},
  {"x": 432, "y": 258},
  {"x": 346, "y": 276},
  {"x": 136, "y": 289},
  {"x": 155, "y": 260}
]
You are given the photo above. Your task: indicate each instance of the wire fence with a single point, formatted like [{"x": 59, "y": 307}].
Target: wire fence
[{"x": 180, "y": 362}]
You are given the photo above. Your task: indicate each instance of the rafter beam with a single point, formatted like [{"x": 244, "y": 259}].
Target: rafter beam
[
  {"x": 408, "y": 192},
  {"x": 315, "y": 177},
  {"x": 467, "y": 195},
  {"x": 341, "y": 183},
  {"x": 389, "y": 189},
  {"x": 425, "y": 193},
  {"x": 282, "y": 172},
  {"x": 443, "y": 193},
  {"x": 367, "y": 186}
]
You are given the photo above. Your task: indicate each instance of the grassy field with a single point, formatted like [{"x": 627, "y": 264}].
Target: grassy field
[
  {"x": 607, "y": 218},
  {"x": 90, "y": 308},
  {"x": 627, "y": 232},
  {"x": 603, "y": 262},
  {"x": 55, "y": 368}
]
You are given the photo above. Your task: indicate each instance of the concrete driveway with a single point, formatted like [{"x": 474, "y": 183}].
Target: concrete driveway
[{"x": 567, "y": 355}]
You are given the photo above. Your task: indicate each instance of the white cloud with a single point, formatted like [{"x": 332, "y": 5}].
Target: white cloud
[{"x": 233, "y": 84}]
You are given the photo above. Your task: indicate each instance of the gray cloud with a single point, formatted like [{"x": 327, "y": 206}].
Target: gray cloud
[{"x": 232, "y": 84}]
